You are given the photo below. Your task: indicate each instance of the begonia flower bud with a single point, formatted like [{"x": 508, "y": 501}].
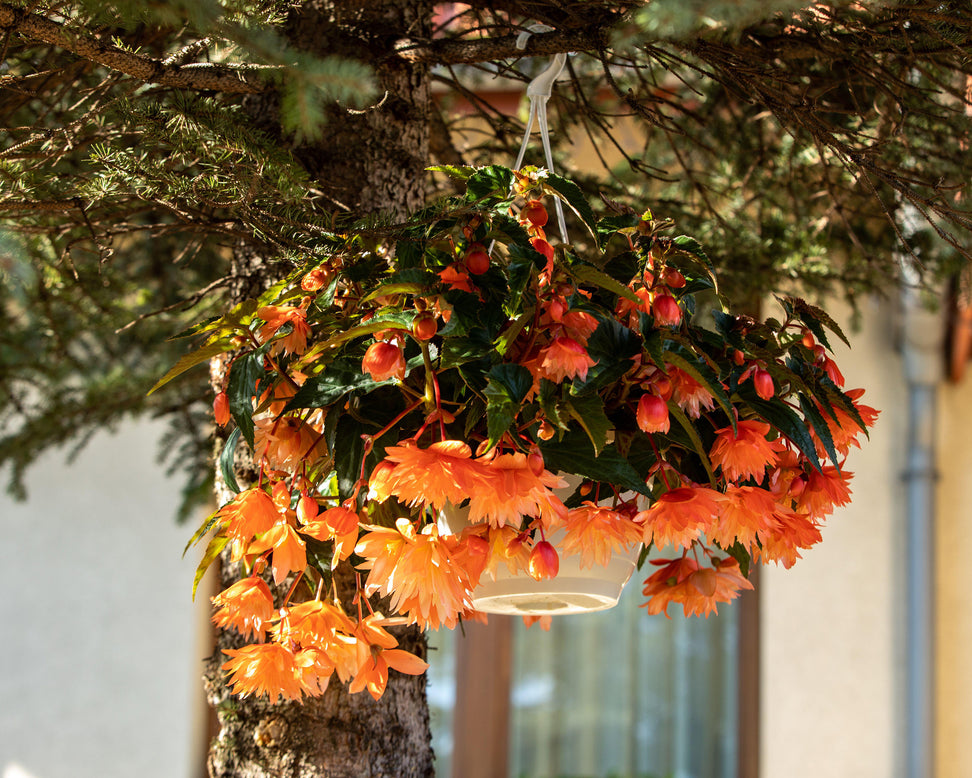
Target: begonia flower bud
[
  {"x": 221, "y": 409},
  {"x": 383, "y": 360},
  {"x": 653, "y": 414},
  {"x": 673, "y": 278},
  {"x": 666, "y": 311},
  {"x": 763, "y": 382},
  {"x": 307, "y": 508},
  {"x": 544, "y": 562}
]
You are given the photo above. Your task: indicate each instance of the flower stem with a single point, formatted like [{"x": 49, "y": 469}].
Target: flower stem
[
  {"x": 398, "y": 418},
  {"x": 290, "y": 591},
  {"x": 661, "y": 462}
]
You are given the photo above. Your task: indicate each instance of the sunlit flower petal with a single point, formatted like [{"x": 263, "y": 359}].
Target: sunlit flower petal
[
  {"x": 443, "y": 472},
  {"x": 679, "y": 516},
  {"x": 597, "y": 532},
  {"x": 509, "y": 489},
  {"x": 264, "y": 669},
  {"x": 745, "y": 453},
  {"x": 245, "y": 606}
]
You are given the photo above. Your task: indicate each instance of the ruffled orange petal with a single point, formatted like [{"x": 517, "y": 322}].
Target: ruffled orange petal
[
  {"x": 245, "y": 606},
  {"x": 679, "y": 516},
  {"x": 264, "y": 669}
]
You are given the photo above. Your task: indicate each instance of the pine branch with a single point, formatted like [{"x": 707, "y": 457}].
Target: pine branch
[
  {"x": 455, "y": 51},
  {"x": 199, "y": 76}
]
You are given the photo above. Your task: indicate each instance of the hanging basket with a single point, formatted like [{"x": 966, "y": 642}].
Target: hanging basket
[{"x": 574, "y": 589}]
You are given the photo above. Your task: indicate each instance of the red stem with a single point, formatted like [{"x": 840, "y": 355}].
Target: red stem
[{"x": 290, "y": 592}]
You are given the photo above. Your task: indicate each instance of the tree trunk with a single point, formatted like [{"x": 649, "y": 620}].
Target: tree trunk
[{"x": 367, "y": 161}]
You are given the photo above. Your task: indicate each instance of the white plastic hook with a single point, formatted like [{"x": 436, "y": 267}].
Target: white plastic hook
[{"x": 538, "y": 91}]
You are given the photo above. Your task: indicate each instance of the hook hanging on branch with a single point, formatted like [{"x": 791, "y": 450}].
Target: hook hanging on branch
[{"x": 538, "y": 91}]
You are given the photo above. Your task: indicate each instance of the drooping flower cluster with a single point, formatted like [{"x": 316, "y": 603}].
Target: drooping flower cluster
[{"x": 474, "y": 366}]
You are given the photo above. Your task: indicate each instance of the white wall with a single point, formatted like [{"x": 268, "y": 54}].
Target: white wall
[
  {"x": 833, "y": 661},
  {"x": 99, "y": 665}
]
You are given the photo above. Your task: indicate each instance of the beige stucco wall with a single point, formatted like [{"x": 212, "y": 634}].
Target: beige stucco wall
[
  {"x": 954, "y": 582},
  {"x": 833, "y": 627},
  {"x": 833, "y": 658},
  {"x": 99, "y": 661}
]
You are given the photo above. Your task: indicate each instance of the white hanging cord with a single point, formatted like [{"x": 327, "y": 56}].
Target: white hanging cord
[{"x": 538, "y": 91}]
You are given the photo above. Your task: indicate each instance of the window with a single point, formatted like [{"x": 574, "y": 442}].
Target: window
[{"x": 613, "y": 694}]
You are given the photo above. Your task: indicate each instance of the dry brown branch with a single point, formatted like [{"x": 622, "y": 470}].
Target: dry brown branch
[
  {"x": 199, "y": 76},
  {"x": 29, "y": 205}
]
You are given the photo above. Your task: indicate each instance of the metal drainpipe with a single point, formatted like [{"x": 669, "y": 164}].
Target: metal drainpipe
[{"x": 923, "y": 367}]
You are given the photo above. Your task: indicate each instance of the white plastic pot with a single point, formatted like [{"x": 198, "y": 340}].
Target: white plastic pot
[{"x": 573, "y": 590}]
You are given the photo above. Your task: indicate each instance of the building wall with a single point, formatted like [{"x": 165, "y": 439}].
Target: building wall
[
  {"x": 833, "y": 659},
  {"x": 99, "y": 662},
  {"x": 953, "y": 635}
]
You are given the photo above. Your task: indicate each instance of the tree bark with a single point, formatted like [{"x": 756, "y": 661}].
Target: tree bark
[{"x": 366, "y": 162}]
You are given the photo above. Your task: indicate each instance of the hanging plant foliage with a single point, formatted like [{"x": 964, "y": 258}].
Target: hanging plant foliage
[{"x": 473, "y": 362}]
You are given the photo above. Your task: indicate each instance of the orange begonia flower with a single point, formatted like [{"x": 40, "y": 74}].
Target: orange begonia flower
[
  {"x": 543, "y": 247},
  {"x": 746, "y": 511},
  {"x": 273, "y": 398},
  {"x": 276, "y": 316},
  {"x": 376, "y": 653},
  {"x": 311, "y": 623},
  {"x": 831, "y": 369},
  {"x": 324, "y": 628},
  {"x": 666, "y": 311},
  {"x": 251, "y": 512},
  {"x": 652, "y": 414},
  {"x": 221, "y": 409},
  {"x": 844, "y": 430},
  {"x": 339, "y": 524},
  {"x": 510, "y": 490},
  {"x": 373, "y": 671},
  {"x": 579, "y": 325},
  {"x": 418, "y": 571},
  {"x": 689, "y": 394},
  {"x": 505, "y": 545},
  {"x": 245, "y": 606},
  {"x": 457, "y": 278},
  {"x": 287, "y": 442},
  {"x": 627, "y": 311},
  {"x": 384, "y": 360},
  {"x": 315, "y": 669},
  {"x": 789, "y": 533},
  {"x": 545, "y": 622},
  {"x": 786, "y": 479},
  {"x": 746, "y": 453},
  {"x": 763, "y": 382},
  {"x": 564, "y": 358},
  {"x": 289, "y": 553},
  {"x": 697, "y": 589},
  {"x": 471, "y": 554},
  {"x": 679, "y": 516},
  {"x": 264, "y": 669},
  {"x": 597, "y": 532},
  {"x": 824, "y": 491},
  {"x": 443, "y": 472}
]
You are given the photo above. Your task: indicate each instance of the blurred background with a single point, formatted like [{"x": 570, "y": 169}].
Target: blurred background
[{"x": 102, "y": 647}]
